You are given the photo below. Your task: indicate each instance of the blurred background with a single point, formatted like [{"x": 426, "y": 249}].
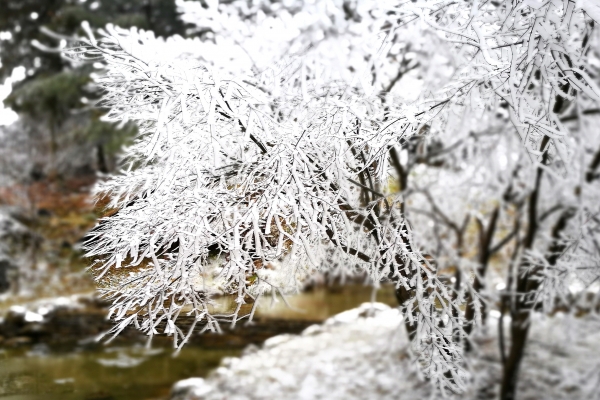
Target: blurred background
[{"x": 53, "y": 147}]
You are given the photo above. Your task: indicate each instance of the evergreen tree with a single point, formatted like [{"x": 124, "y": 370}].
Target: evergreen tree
[{"x": 56, "y": 95}]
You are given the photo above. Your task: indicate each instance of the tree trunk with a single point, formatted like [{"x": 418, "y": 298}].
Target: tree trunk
[
  {"x": 102, "y": 164},
  {"x": 525, "y": 283},
  {"x": 485, "y": 243},
  {"x": 519, "y": 331},
  {"x": 53, "y": 147}
]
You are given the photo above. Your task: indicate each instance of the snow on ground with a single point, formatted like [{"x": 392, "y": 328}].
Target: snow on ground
[
  {"x": 351, "y": 355},
  {"x": 35, "y": 311},
  {"x": 362, "y": 354}
]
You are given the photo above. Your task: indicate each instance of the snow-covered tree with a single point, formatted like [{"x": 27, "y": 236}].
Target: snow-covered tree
[{"x": 423, "y": 143}]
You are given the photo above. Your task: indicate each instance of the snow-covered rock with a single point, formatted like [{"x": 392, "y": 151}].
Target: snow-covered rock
[
  {"x": 195, "y": 387},
  {"x": 36, "y": 310},
  {"x": 362, "y": 354}
]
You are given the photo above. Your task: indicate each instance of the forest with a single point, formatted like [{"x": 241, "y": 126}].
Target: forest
[{"x": 296, "y": 199}]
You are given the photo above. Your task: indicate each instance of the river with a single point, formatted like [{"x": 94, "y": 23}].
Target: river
[{"x": 126, "y": 370}]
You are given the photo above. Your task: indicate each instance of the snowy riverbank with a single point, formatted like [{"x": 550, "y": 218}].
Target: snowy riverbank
[{"x": 362, "y": 354}]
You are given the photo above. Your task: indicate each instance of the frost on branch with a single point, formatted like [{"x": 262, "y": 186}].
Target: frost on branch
[{"x": 263, "y": 157}]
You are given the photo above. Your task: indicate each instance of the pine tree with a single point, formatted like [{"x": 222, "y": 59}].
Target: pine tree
[{"x": 49, "y": 99}]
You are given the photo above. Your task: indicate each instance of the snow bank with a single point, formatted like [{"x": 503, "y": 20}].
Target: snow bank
[{"x": 362, "y": 354}]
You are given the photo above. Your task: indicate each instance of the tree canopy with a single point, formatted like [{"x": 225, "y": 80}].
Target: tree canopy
[{"x": 437, "y": 145}]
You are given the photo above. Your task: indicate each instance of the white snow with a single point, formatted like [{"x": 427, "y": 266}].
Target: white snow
[
  {"x": 181, "y": 388},
  {"x": 354, "y": 354},
  {"x": 18, "y": 309},
  {"x": 36, "y": 310},
  {"x": 362, "y": 354},
  {"x": 591, "y": 7},
  {"x": 31, "y": 316}
]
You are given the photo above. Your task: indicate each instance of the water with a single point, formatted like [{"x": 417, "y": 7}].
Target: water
[
  {"x": 90, "y": 371},
  {"x": 109, "y": 373}
]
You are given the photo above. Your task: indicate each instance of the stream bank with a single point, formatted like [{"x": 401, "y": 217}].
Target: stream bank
[{"x": 48, "y": 348}]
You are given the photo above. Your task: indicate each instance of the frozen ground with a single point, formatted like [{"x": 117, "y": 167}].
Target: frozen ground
[{"x": 361, "y": 354}]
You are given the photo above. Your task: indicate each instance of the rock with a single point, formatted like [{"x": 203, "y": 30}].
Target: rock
[
  {"x": 42, "y": 212},
  {"x": 60, "y": 319},
  {"x": 17, "y": 341},
  {"x": 14, "y": 320},
  {"x": 15, "y": 241},
  {"x": 277, "y": 340},
  {"x": 192, "y": 388},
  {"x": 312, "y": 330},
  {"x": 94, "y": 302},
  {"x": 6, "y": 268},
  {"x": 250, "y": 349},
  {"x": 21, "y": 383},
  {"x": 365, "y": 310}
]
